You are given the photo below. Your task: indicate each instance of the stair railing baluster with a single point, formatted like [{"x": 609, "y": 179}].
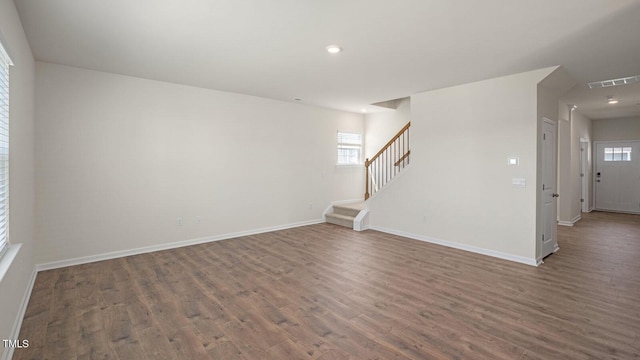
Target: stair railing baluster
[{"x": 387, "y": 162}]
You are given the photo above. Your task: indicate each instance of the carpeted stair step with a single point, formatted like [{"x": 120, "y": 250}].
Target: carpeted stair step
[
  {"x": 340, "y": 219},
  {"x": 347, "y": 210}
]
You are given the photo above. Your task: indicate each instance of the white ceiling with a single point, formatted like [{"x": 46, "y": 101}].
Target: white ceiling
[
  {"x": 392, "y": 49},
  {"x": 593, "y": 102}
]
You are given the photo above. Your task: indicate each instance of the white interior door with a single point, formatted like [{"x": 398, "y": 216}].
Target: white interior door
[
  {"x": 584, "y": 175},
  {"x": 617, "y": 176},
  {"x": 549, "y": 243}
]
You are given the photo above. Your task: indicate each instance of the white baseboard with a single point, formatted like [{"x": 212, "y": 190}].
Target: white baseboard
[
  {"x": 474, "y": 249},
  {"x": 172, "y": 245},
  {"x": 618, "y": 212},
  {"x": 570, "y": 223},
  {"x": 15, "y": 331}
]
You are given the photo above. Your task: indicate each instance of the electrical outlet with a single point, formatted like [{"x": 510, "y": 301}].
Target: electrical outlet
[
  {"x": 179, "y": 221},
  {"x": 198, "y": 219}
]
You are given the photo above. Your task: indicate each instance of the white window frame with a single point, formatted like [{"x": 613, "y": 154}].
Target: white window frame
[
  {"x": 624, "y": 152},
  {"x": 351, "y": 141},
  {"x": 5, "y": 63}
]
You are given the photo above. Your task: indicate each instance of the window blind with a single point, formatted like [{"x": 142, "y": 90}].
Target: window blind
[
  {"x": 5, "y": 62},
  {"x": 349, "y": 148}
]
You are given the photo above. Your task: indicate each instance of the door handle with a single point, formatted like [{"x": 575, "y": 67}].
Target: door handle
[{"x": 555, "y": 195}]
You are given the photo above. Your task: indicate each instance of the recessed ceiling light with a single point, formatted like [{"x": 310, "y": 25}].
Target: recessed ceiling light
[
  {"x": 334, "y": 49},
  {"x": 611, "y": 100},
  {"x": 364, "y": 110}
]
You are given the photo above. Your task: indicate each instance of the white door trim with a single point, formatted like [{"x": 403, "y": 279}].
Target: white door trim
[
  {"x": 584, "y": 170},
  {"x": 595, "y": 171},
  {"x": 544, "y": 245}
]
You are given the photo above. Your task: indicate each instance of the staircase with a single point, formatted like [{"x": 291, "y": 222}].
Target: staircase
[
  {"x": 344, "y": 215},
  {"x": 387, "y": 163}
]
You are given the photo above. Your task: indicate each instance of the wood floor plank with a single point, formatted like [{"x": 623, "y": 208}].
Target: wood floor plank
[
  {"x": 225, "y": 350},
  {"x": 155, "y": 345},
  {"x": 326, "y": 292}
]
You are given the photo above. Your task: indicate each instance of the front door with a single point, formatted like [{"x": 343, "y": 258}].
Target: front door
[
  {"x": 617, "y": 176},
  {"x": 549, "y": 242}
]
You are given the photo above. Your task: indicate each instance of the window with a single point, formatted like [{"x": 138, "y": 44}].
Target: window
[
  {"x": 5, "y": 62},
  {"x": 617, "y": 154},
  {"x": 349, "y": 148}
]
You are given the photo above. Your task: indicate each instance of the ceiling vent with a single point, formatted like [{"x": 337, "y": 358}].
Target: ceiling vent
[{"x": 614, "y": 82}]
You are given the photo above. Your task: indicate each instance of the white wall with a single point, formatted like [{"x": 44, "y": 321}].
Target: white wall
[
  {"x": 616, "y": 129},
  {"x": 580, "y": 128},
  {"x": 564, "y": 164},
  {"x": 15, "y": 280},
  {"x": 573, "y": 127},
  {"x": 120, "y": 159},
  {"x": 550, "y": 89},
  {"x": 458, "y": 188},
  {"x": 380, "y": 127}
]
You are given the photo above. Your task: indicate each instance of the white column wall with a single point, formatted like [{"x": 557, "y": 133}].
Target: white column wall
[{"x": 458, "y": 190}]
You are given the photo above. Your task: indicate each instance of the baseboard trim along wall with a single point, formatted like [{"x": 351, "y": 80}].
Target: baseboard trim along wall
[
  {"x": 15, "y": 331},
  {"x": 474, "y": 249},
  {"x": 570, "y": 223},
  {"x": 167, "y": 246}
]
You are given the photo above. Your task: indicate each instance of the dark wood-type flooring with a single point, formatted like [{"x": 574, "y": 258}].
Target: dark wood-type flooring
[{"x": 326, "y": 292}]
